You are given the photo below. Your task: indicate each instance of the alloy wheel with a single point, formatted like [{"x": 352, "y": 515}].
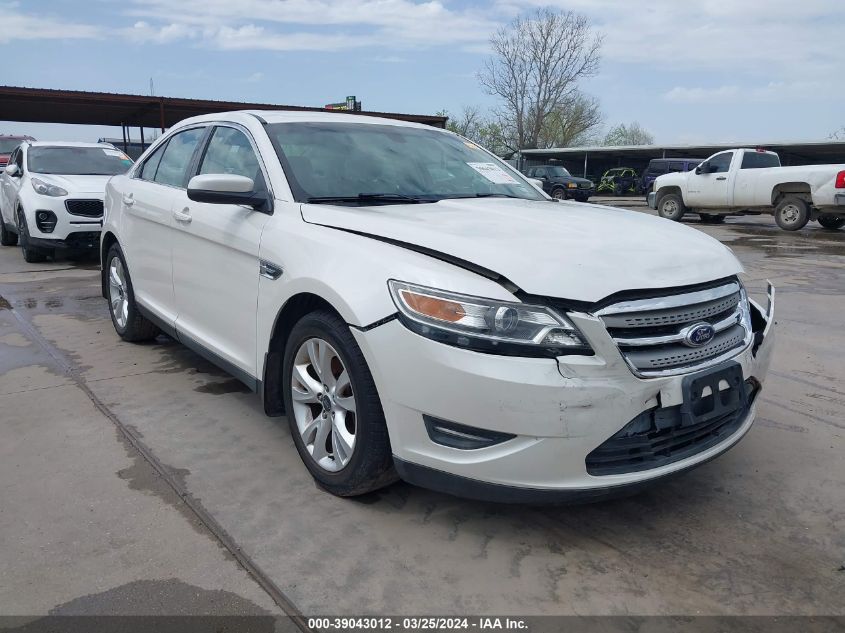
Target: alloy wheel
[
  {"x": 118, "y": 292},
  {"x": 323, "y": 404}
]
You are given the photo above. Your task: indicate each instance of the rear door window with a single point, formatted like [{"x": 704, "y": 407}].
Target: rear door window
[{"x": 173, "y": 167}]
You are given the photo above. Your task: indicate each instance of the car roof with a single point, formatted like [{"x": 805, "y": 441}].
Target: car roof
[
  {"x": 68, "y": 144},
  {"x": 286, "y": 116}
]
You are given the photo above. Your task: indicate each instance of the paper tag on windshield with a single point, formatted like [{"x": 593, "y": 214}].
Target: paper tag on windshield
[
  {"x": 494, "y": 173},
  {"x": 115, "y": 152}
]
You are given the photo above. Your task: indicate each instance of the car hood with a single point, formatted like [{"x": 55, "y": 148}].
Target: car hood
[
  {"x": 575, "y": 179},
  {"x": 76, "y": 184},
  {"x": 560, "y": 249}
]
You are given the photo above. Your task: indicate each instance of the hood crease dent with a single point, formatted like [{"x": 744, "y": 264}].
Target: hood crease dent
[{"x": 569, "y": 251}]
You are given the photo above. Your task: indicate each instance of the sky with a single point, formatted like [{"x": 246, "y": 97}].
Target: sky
[{"x": 689, "y": 72}]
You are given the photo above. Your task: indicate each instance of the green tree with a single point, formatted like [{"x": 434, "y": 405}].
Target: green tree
[{"x": 631, "y": 134}]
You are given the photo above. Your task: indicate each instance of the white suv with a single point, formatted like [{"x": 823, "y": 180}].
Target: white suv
[
  {"x": 51, "y": 196},
  {"x": 419, "y": 309}
]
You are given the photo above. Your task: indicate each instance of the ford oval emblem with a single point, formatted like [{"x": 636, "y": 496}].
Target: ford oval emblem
[{"x": 699, "y": 334}]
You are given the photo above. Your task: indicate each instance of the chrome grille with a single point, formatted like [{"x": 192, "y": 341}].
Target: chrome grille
[{"x": 652, "y": 333}]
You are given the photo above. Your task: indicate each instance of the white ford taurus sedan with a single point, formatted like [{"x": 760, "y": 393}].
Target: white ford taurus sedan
[{"x": 420, "y": 310}]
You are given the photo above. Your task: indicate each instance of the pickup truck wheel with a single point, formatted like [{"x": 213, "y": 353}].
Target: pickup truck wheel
[
  {"x": 792, "y": 213},
  {"x": 7, "y": 238},
  {"x": 832, "y": 222},
  {"x": 128, "y": 322},
  {"x": 31, "y": 255},
  {"x": 559, "y": 193},
  {"x": 333, "y": 408},
  {"x": 671, "y": 207}
]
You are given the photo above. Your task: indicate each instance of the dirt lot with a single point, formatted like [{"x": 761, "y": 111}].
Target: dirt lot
[{"x": 140, "y": 479}]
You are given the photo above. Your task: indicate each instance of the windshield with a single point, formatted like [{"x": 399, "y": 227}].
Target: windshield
[
  {"x": 325, "y": 162},
  {"x": 8, "y": 145},
  {"x": 559, "y": 172},
  {"x": 77, "y": 161}
]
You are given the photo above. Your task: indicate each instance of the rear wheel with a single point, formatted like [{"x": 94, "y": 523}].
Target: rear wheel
[
  {"x": 128, "y": 322},
  {"x": 333, "y": 408},
  {"x": 7, "y": 238},
  {"x": 832, "y": 222},
  {"x": 671, "y": 207},
  {"x": 31, "y": 254},
  {"x": 792, "y": 213}
]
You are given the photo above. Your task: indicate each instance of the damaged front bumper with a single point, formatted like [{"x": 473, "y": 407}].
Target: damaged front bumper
[{"x": 523, "y": 429}]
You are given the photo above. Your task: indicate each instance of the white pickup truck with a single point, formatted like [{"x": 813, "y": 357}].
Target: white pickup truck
[{"x": 740, "y": 181}]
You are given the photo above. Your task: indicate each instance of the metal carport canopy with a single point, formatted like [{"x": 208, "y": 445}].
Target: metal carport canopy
[
  {"x": 792, "y": 153},
  {"x": 38, "y": 105}
]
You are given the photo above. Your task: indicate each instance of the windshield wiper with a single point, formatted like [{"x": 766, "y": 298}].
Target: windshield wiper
[
  {"x": 384, "y": 198},
  {"x": 482, "y": 195}
]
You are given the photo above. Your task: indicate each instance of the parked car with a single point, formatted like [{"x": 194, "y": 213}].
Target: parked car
[
  {"x": 8, "y": 143},
  {"x": 619, "y": 181},
  {"x": 560, "y": 184},
  {"x": 659, "y": 166},
  {"x": 741, "y": 181},
  {"x": 418, "y": 309},
  {"x": 51, "y": 196}
]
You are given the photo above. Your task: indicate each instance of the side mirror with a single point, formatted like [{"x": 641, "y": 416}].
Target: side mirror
[
  {"x": 13, "y": 170},
  {"x": 703, "y": 168},
  {"x": 226, "y": 189}
]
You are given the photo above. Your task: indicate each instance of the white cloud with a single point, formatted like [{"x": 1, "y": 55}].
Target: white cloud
[
  {"x": 255, "y": 78},
  {"x": 15, "y": 25},
  {"x": 775, "y": 91},
  {"x": 144, "y": 32},
  {"x": 323, "y": 24}
]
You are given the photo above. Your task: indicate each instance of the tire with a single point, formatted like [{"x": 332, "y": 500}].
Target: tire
[
  {"x": 712, "y": 218},
  {"x": 618, "y": 190},
  {"x": 7, "y": 238},
  {"x": 671, "y": 207},
  {"x": 352, "y": 447},
  {"x": 559, "y": 193},
  {"x": 792, "y": 213},
  {"x": 831, "y": 222},
  {"x": 128, "y": 322},
  {"x": 31, "y": 255}
]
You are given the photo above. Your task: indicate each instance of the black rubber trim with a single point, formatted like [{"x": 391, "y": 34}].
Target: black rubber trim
[
  {"x": 506, "y": 283},
  {"x": 43, "y": 242},
  {"x": 467, "y": 488},
  {"x": 374, "y": 324},
  {"x": 462, "y": 437}
]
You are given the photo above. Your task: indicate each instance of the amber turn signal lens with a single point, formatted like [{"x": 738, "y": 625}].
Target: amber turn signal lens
[{"x": 434, "y": 308}]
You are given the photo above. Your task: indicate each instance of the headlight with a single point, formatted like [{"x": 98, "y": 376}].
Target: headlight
[
  {"x": 46, "y": 189},
  {"x": 486, "y": 325},
  {"x": 572, "y": 185}
]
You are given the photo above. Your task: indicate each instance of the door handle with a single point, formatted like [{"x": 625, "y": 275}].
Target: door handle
[
  {"x": 721, "y": 178},
  {"x": 128, "y": 200},
  {"x": 183, "y": 215}
]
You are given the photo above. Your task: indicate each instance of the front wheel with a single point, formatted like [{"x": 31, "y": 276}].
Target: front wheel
[
  {"x": 832, "y": 222},
  {"x": 559, "y": 194},
  {"x": 333, "y": 408},
  {"x": 792, "y": 213},
  {"x": 7, "y": 238},
  {"x": 671, "y": 207},
  {"x": 31, "y": 254}
]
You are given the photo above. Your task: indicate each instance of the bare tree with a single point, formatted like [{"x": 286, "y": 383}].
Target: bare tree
[
  {"x": 478, "y": 127},
  {"x": 838, "y": 135},
  {"x": 632, "y": 134},
  {"x": 573, "y": 124},
  {"x": 535, "y": 69}
]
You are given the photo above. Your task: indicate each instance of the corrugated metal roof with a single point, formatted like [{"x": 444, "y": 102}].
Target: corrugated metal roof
[{"x": 41, "y": 105}]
